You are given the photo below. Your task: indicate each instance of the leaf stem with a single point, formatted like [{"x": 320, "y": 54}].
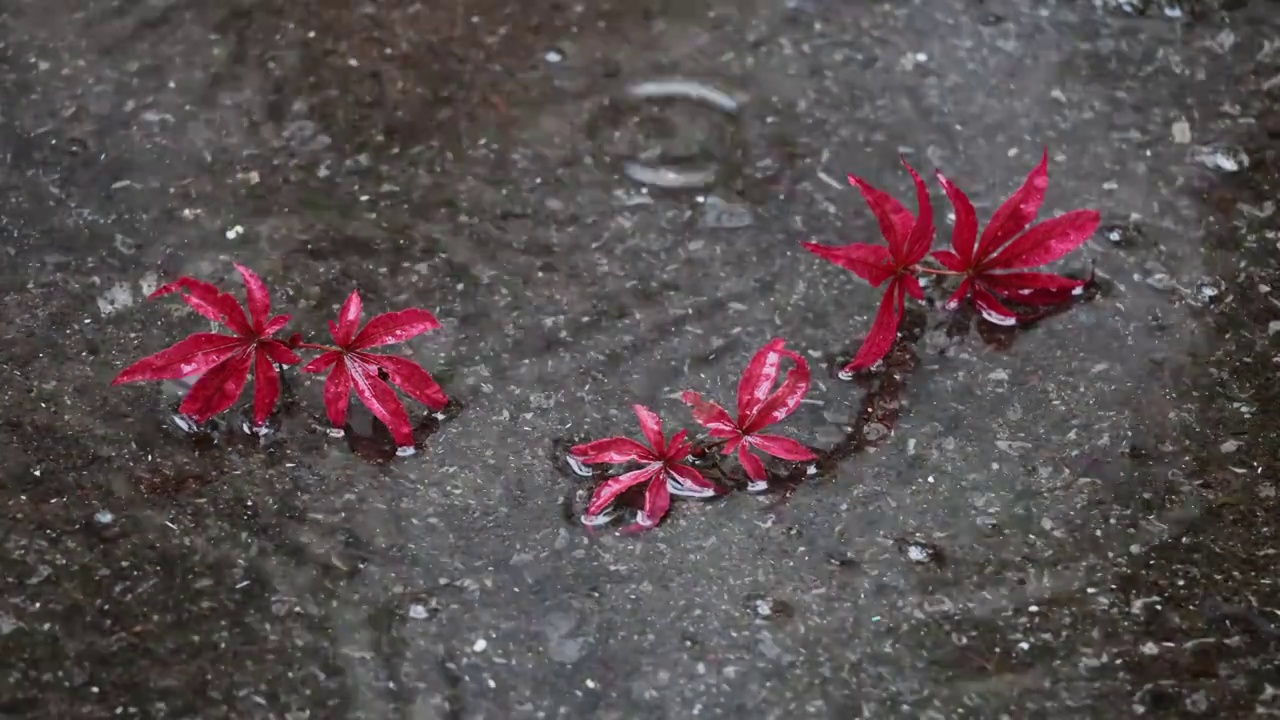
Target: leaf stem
[
  {"x": 934, "y": 271},
  {"x": 314, "y": 346}
]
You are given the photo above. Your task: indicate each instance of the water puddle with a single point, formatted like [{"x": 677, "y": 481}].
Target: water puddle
[{"x": 869, "y": 426}]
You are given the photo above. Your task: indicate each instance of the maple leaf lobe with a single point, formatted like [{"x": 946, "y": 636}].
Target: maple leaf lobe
[{"x": 371, "y": 375}]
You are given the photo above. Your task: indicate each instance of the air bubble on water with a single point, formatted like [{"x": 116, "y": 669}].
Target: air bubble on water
[
  {"x": 757, "y": 486},
  {"x": 405, "y": 451},
  {"x": 418, "y": 611},
  {"x": 104, "y": 517},
  {"x": 578, "y": 467},
  {"x": 336, "y": 432},
  {"x": 554, "y": 55}
]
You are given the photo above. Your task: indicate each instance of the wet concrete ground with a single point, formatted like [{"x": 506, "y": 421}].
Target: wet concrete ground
[{"x": 1100, "y": 488}]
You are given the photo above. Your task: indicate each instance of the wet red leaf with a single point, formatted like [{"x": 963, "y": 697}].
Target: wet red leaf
[
  {"x": 368, "y": 374},
  {"x": 759, "y": 406},
  {"x": 663, "y": 467},
  {"x": 908, "y": 239},
  {"x": 223, "y": 361},
  {"x": 993, "y": 266}
]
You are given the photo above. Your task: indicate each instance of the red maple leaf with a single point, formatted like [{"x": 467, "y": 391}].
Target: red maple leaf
[
  {"x": 664, "y": 468},
  {"x": 908, "y": 241},
  {"x": 990, "y": 268},
  {"x": 758, "y": 408},
  {"x": 224, "y": 360},
  {"x": 368, "y": 373}
]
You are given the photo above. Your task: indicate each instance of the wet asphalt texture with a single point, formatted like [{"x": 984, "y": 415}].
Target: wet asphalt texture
[{"x": 1075, "y": 520}]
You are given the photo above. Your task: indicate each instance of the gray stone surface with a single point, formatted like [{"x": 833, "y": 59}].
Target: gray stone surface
[{"x": 1094, "y": 497}]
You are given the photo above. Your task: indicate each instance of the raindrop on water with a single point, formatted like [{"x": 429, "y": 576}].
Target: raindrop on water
[{"x": 671, "y": 133}]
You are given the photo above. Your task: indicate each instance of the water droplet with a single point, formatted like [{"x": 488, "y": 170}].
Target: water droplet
[{"x": 554, "y": 55}]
